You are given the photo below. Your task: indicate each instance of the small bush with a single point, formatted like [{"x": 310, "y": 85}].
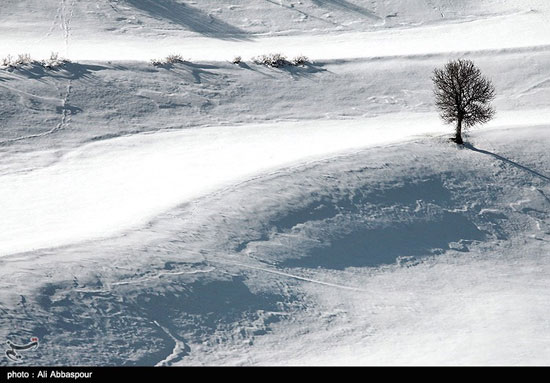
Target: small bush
[
  {"x": 17, "y": 62},
  {"x": 174, "y": 59},
  {"x": 7, "y": 61},
  {"x": 54, "y": 61},
  {"x": 23, "y": 59},
  {"x": 274, "y": 60},
  {"x": 300, "y": 60},
  {"x": 277, "y": 60},
  {"x": 168, "y": 60},
  {"x": 157, "y": 62}
]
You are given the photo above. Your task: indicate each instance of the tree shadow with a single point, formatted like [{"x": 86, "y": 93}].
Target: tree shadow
[
  {"x": 506, "y": 160},
  {"x": 190, "y": 18},
  {"x": 347, "y": 6}
]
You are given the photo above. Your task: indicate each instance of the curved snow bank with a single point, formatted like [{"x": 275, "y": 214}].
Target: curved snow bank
[{"x": 109, "y": 186}]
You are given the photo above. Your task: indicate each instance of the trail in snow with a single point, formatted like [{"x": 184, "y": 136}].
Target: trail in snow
[
  {"x": 62, "y": 20},
  {"x": 65, "y": 23},
  {"x": 179, "y": 351},
  {"x": 157, "y": 276},
  {"x": 289, "y": 275},
  {"x": 54, "y": 23},
  {"x": 65, "y": 119}
]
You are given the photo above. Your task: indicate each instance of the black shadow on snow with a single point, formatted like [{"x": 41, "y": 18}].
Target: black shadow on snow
[
  {"x": 199, "y": 72},
  {"x": 295, "y": 71},
  {"x": 302, "y": 71},
  {"x": 189, "y": 18},
  {"x": 510, "y": 162},
  {"x": 68, "y": 71},
  {"x": 244, "y": 65}
]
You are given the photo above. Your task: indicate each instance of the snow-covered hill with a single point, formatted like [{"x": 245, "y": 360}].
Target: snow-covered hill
[
  {"x": 415, "y": 253},
  {"x": 219, "y": 30},
  {"x": 239, "y": 18},
  {"x": 212, "y": 213}
]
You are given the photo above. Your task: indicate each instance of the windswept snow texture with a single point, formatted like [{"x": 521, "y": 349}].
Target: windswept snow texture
[
  {"x": 205, "y": 212},
  {"x": 221, "y": 30}
]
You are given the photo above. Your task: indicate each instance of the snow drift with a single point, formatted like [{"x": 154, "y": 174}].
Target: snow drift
[{"x": 211, "y": 213}]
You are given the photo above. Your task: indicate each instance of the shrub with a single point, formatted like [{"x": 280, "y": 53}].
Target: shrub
[
  {"x": 7, "y": 61},
  {"x": 277, "y": 60},
  {"x": 274, "y": 60},
  {"x": 174, "y": 59},
  {"x": 157, "y": 62},
  {"x": 17, "y": 62},
  {"x": 23, "y": 59},
  {"x": 54, "y": 61},
  {"x": 300, "y": 60},
  {"x": 168, "y": 60}
]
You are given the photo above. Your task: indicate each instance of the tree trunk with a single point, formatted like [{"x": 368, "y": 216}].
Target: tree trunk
[{"x": 458, "y": 135}]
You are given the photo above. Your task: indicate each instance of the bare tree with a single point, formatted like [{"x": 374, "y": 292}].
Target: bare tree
[{"x": 463, "y": 95}]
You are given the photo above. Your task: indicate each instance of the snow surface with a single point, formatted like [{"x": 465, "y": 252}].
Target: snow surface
[
  {"x": 211, "y": 213},
  {"x": 526, "y": 28},
  {"x": 115, "y": 185}
]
